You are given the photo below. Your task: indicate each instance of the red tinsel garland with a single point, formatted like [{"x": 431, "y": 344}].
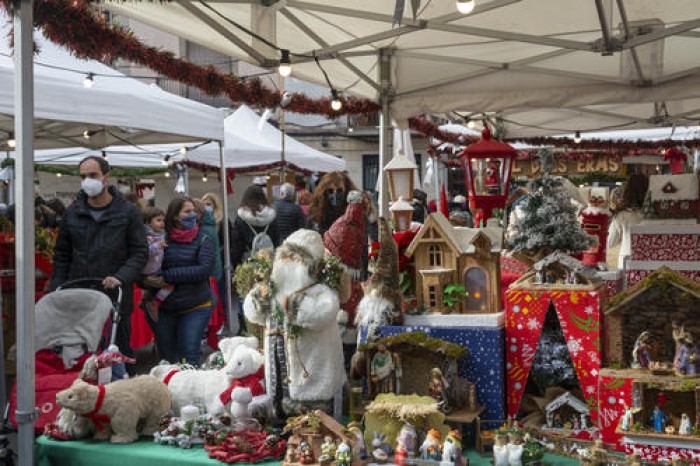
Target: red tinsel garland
[{"x": 75, "y": 25}]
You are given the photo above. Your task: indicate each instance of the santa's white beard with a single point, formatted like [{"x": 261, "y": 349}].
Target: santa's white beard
[{"x": 290, "y": 276}]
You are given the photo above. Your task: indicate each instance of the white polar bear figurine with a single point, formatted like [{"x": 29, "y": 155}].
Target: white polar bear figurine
[{"x": 201, "y": 387}]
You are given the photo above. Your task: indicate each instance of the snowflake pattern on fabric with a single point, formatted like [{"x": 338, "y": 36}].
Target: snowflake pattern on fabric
[
  {"x": 483, "y": 366},
  {"x": 637, "y": 275},
  {"x": 614, "y": 394},
  {"x": 668, "y": 247},
  {"x": 579, "y": 316}
]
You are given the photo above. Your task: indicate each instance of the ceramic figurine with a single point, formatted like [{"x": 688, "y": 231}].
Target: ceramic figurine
[
  {"x": 678, "y": 333},
  {"x": 515, "y": 450},
  {"x": 306, "y": 454},
  {"x": 438, "y": 389},
  {"x": 500, "y": 450},
  {"x": 380, "y": 450},
  {"x": 659, "y": 419},
  {"x": 685, "y": 428},
  {"x": 291, "y": 455},
  {"x": 382, "y": 370},
  {"x": 360, "y": 445},
  {"x": 686, "y": 357},
  {"x": 627, "y": 419},
  {"x": 430, "y": 449},
  {"x": 328, "y": 449},
  {"x": 452, "y": 449},
  {"x": 405, "y": 444},
  {"x": 343, "y": 455},
  {"x": 641, "y": 354}
]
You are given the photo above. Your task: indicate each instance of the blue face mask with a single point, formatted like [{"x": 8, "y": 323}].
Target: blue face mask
[
  {"x": 188, "y": 221},
  {"x": 209, "y": 209}
]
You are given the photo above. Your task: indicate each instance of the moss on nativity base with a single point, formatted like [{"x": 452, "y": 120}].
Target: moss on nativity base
[{"x": 421, "y": 340}]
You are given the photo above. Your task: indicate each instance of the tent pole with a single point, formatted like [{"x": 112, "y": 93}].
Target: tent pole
[
  {"x": 385, "y": 128},
  {"x": 24, "y": 227},
  {"x": 283, "y": 172},
  {"x": 230, "y": 315}
]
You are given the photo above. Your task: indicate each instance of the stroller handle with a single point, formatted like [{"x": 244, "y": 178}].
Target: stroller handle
[{"x": 91, "y": 281}]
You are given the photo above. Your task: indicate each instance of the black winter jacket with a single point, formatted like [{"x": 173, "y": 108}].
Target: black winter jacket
[
  {"x": 290, "y": 218},
  {"x": 115, "y": 245},
  {"x": 243, "y": 234},
  {"x": 188, "y": 266}
]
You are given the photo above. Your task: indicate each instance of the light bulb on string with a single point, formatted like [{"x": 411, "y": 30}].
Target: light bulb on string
[
  {"x": 204, "y": 178},
  {"x": 577, "y": 137},
  {"x": 89, "y": 80},
  {"x": 471, "y": 124},
  {"x": 285, "y": 66},
  {"x": 167, "y": 174},
  {"x": 183, "y": 150},
  {"x": 104, "y": 155},
  {"x": 59, "y": 174},
  {"x": 465, "y": 6},
  {"x": 336, "y": 103},
  {"x": 165, "y": 161},
  {"x": 11, "y": 143}
]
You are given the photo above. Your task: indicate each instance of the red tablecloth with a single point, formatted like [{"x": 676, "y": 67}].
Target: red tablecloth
[{"x": 142, "y": 335}]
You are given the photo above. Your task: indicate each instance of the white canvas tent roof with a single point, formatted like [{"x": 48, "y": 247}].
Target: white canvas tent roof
[
  {"x": 120, "y": 109},
  {"x": 539, "y": 64},
  {"x": 249, "y": 146}
]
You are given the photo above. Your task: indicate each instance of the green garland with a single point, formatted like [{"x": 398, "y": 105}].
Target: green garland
[
  {"x": 115, "y": 172},
  {"x": 596, "y": 177}
]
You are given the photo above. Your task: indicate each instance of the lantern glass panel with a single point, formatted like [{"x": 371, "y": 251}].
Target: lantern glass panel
[
  {"x": 490, "y": 175},
  {"x": 402, "y": 182}
]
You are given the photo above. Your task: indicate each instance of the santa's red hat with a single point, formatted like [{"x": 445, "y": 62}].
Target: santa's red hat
[{"x": 346, "y": 237}]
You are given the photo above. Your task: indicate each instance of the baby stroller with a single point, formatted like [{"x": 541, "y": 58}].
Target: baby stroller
[{"x": 72, "y": 323}]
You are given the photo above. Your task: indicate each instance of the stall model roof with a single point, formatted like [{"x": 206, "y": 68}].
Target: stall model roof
[
  {"x": 462, "y": 239},
  {"x": 251, "y": 146},
  {"x": 116, "y": 109},
  {"x": 661, "y": 288},
  {"x": 544, "y": 66}
]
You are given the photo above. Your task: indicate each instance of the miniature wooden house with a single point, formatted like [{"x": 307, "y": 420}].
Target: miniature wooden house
[
  {"x": 447, "y": 255},
  {"x": 562, "y": 410},
  {"x": 415, "y": 355},
  {"x": 673, "y": 196},
  {"x": 560, "y": 271},
  {"x": 651, "y": 305},
  {"x": 312, "y": 428}
]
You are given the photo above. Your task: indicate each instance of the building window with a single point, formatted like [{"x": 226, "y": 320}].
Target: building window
[
  {"x": 432, "y": 296},
  {"x": 434, "y": 256},
  {"x": 370, "y": 172},
  {"x": 477, "y": 288}
]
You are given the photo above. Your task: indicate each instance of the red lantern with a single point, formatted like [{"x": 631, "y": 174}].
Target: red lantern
[{"x": 487, "y": 168}]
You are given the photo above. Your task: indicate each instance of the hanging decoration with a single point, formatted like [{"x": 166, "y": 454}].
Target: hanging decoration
[{"x": 75, "y": 25}]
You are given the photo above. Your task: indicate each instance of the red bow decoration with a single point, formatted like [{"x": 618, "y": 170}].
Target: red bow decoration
[
  {"x": 100, "y": 420},
  {"x": 676, "y": 159}
]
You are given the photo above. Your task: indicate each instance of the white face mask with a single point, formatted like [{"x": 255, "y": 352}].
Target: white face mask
[{"x": 92, "y": 187}]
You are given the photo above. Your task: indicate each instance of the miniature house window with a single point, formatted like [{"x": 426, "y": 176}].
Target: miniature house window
[
  {"x": 477, "y": 287},
  {"x": 432, "y": 296},
  {"x": 434, "y": 256}
]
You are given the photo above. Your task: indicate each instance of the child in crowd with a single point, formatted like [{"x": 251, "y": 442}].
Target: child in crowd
[{"x": 154, "y": 219}]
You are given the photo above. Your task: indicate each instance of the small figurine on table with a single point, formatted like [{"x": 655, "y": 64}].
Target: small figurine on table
[
  {"x": 380, "y": 449},
  {"x": 430, "y": 449},
  {"x": 678, "y": 333},
  {"x": 382, "y": 370},
  {"x": 659, "y": 419},
  {"x": 328, "y": 449},
  {"x": 685, "y": 428},
  {"x": 360, "y": 444},
  {"x": 343, "y": 456},
  {"x": 452, "y": 449},
  {"x": 405, "y": 444},
  {"x": 641, "y": 353},
  {"x": 686, "y": 357}
]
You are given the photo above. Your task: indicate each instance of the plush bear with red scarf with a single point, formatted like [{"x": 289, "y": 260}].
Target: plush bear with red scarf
[
  {"x": 247, "y": 371},
  {"x": 119, "y": 408}
]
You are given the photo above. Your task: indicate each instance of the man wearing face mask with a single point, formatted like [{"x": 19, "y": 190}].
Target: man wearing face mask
[
  {"x": 330, "y": 200},
  {"x": 102, "y": 235}
]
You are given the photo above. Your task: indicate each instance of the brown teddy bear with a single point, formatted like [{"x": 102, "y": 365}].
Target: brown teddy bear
[{"x": 118, "y": 407}]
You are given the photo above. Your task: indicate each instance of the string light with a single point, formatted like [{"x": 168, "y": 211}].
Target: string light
[
  {"x": 336, "y": 103},
  {"x": 104, "y": 155},
  {"x": 89, "y": 80},
  {"x": 465, "y": 6},
  {"x": 471, "y": 124},
  {"x": 11, "y": 143},
  {"x": 183, "y": 150},
  {"x": 165, "y": 161},
  {"x": 285, "y": 66},
  {"x": 59, "y": 174},
  {"x": 204, "y": 178},
  {"x": 167, "y": 174},
  {"x": 577, "y": 137}
]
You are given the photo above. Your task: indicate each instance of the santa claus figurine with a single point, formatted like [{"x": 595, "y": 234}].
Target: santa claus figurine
[
  {"x": 492, "y": 183},
  {"x": 302, "y": 343}
]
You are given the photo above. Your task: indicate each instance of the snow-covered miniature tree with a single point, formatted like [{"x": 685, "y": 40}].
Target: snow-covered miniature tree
[{"x": 546, "y": 222}]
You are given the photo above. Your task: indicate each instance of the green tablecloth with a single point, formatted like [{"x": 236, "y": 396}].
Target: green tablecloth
[{"x": 92, "y": 453}]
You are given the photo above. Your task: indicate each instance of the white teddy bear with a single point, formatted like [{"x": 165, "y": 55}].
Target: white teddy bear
[
  {"x": 203, "y": 387},
  {"x": 246, "y": 372}
]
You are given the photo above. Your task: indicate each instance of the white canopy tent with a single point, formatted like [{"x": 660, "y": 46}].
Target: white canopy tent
[
  {"x": 250, "y": 146},
  {"x": 44, "y": 103},
  {"x": 541, "y": 67}
]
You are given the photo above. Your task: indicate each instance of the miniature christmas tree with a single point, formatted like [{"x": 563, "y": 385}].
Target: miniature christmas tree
[{"x": 547, "y": 223}]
